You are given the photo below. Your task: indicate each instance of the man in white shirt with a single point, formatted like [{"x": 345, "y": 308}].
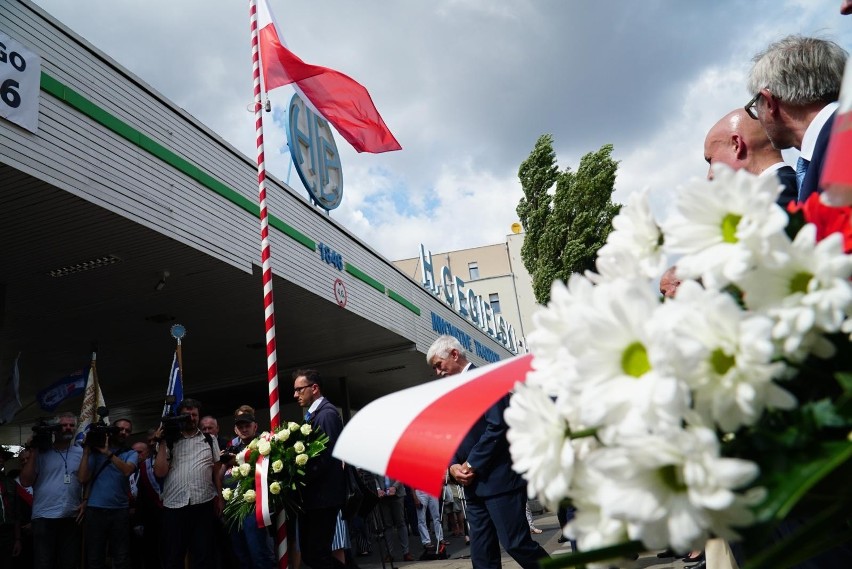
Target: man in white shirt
[{"x": 796, "y": 82}]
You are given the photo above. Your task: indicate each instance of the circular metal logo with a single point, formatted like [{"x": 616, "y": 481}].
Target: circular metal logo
[{"x": 314, "y": 154}]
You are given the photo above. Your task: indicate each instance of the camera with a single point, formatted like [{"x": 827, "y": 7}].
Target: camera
[
  {"x": 43, "y": 434},
  {"x": 229, "y": 454},
  {"x": 97, "y": 433},
  {"x": 172, "y": 426}
]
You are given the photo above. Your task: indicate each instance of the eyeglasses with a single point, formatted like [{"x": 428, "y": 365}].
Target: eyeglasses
[
  {"x": 751, "y": 106},
  {"x": 299, "y": 389}
]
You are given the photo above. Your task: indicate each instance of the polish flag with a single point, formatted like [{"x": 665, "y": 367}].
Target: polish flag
[
  {"x": 836, "y": 179},
  {"x": 412, "y": 434},
  {"x": 339, "y": 99}
]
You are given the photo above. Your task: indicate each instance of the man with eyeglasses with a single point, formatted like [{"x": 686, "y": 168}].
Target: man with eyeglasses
[
  {"x": 796, "y": 83},
  {"x": 325, "y": 485},
  {"x": 105, "y": 470},
  {"x": 741, "y": 144}
]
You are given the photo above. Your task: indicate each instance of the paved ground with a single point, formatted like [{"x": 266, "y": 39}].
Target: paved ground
[{"x": 459, "y": 553}]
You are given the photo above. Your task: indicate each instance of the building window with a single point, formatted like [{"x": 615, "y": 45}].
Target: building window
[
  {"x": 494, "y": 299},
  {"x": 474, "y": 270}
]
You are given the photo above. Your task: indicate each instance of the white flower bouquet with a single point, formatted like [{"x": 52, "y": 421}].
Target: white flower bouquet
[
  {"x": 285, "y": 451},
  {"x": 720, "y": 412}
]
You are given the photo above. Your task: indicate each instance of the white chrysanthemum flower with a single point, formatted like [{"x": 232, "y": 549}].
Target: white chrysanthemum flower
[
  {"x": 673, "y": 489},
  {"x": 634, "y": 247},
  {"x": 729, "y": 363},
  {"x": 723, "y": 226},
  {"x": 553, "y": 363},
  {"x": 626, "y": 378},
  {"x": 590, "y": 527},
  {"x": 809, "y": 291},
  {"x": 541, "y": 450}
]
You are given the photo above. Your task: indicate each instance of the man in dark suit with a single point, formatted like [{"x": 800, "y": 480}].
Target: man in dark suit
[
  {"x": 741, "y": 143},
  {"x": 496, "y": 495},
  {"x": 325, "y": 485},
  {"x": 796, "y": 82}
]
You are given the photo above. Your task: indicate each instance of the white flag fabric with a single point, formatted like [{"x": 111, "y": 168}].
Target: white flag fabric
[
  {"x": 412, "y": 434},
  {"x": 93, "y": 399},
  {"x": 10, "y": 399}
]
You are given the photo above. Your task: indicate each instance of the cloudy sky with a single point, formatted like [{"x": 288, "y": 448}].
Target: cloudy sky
[{"x": 467, "y": 86}]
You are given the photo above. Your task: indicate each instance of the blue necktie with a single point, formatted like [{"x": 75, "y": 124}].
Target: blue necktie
[
  {"x": 801, "y": 170},
  {"x": 308, "y": 416}
]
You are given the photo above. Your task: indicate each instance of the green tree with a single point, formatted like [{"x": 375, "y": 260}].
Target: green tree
[
  {"x": 576, "y": 222},
  {"x": 538, "y": 174}
]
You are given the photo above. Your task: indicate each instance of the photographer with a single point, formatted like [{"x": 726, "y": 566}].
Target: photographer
[
  {"x": 106, "y": 467},
  {"x": 252, "y": 545},
  {"x": 188, "y": 460},
  {"x": 52, "y": 472}
]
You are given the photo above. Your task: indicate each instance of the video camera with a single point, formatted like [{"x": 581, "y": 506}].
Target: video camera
[
  {"x": 96, "y": 436},
  {"x": 229, "y": 454},
  {"x": 172, "y": 427},
  {"x": 43, "y": 434}
]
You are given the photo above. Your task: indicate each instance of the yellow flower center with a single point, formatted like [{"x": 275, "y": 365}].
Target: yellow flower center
[
  {"x": 634, "y": 360},
  {"x": 729, "y": 227},
  {"x": 672, "y": 477},
  {"x": 721, "y": 361},
  {"x": 800, "y": 282}
]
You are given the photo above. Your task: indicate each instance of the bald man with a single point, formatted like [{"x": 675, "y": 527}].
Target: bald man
[{"x": 741, "y": 143}]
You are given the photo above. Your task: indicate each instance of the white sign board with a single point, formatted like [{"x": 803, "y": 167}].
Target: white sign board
[{"x": 20, "y": 78}]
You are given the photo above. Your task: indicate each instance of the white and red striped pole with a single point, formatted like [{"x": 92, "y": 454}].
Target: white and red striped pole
[{"x": 265, "y": 257}]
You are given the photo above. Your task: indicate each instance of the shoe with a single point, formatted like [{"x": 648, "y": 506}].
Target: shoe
[
  {"x": 562, "y": 539},
  {"x": 427, "y": 545},
  {"x": 666, "y": 554},
  {"x": 535, "y": 531},
  {"x": 408, "y": 557},
  {"x": 388, "y": 559},
  {"x": 445, "y": 542},
  {"x": 689, "y": 559}
]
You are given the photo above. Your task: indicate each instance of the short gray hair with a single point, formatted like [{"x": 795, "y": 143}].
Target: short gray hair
[
  {"x": 442, "y": 348},
  {"x": 799, "y": 70}
]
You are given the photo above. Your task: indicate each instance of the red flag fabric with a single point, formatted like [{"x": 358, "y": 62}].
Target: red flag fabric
[
  {"x": 412, "y": 434},
  {"x": 837, "y": 169},
  {"x": 339, "y": 99}
]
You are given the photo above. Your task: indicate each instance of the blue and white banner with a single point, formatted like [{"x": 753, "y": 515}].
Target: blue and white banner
[
  {"x": 175, "y": 388},
  {"x": 69, "y": 386}
]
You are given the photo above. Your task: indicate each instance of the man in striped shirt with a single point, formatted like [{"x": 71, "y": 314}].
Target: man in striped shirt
[{"x": 192, "y": 492}]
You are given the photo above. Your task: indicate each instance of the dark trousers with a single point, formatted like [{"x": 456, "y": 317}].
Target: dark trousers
[
  {"x": 107, "y": 526},
  {"x": 188, "y": 530},
  {"x": 57, "y": 543},
  {"x": 316, "y": 532},
  {"x": 502, "y": 520}
]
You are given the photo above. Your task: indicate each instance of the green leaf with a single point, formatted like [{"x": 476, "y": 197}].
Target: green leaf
[{"x": 626, "y": 549}]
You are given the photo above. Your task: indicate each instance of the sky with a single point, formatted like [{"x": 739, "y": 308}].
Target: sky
[{"x": 467, "y": 87}]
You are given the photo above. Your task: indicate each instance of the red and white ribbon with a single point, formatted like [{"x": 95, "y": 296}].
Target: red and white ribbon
[
  {"x": 412, "y": 434},
  {"x": 262, "y": 512}
]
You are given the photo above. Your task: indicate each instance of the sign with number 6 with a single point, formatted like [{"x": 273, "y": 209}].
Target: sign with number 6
[{"x": 20, "y": 77}]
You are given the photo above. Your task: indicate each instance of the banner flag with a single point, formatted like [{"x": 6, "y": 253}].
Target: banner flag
[
  {"x": 412, "y": 434},
  {"x": 69, "y": 386},
  {"x": 337, "y": 98},
  {"x": 93, "y": 399},
  {"x": 10, "y": 398},
  {"x": 174, "y": 388}
]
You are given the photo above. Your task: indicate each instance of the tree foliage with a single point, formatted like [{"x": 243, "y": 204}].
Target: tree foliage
[{"x": 565, "y": 231}]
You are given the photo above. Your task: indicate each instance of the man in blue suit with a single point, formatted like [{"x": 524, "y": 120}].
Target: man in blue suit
[
  {"x": 496, "y": 495},
  {"x": 325, "y": 484},
  {"x": 796, "y": 83}
]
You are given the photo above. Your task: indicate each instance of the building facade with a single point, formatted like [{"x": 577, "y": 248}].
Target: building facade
[{"x": 495, "y": 272}]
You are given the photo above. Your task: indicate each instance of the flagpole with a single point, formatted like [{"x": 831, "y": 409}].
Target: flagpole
[
  {"x": 97, "y": 385},
  {"x": 265, "y": 257},
  {"x": 179, "y": 353}
]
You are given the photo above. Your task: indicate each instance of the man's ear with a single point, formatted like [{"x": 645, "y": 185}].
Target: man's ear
[
  {"x": 772, "y": 102},
  {"x": 454, "y": 353},
  {"x": 739, "y": 146}
]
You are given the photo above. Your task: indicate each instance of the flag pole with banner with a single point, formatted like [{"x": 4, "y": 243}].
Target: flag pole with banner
[
  {"x": 281, "y": 552},
  {"x": 174, "y": 390},
  {"x": 93, "y": 400}
]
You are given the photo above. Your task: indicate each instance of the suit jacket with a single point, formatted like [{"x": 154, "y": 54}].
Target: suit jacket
[
  {"x": 379, "y": 482},
  {"x": 810, "y": 184},
  {"x": 486, "y": 449},
  {"x": 325, "y": 482},
  {"x": 787, "y": 177}
]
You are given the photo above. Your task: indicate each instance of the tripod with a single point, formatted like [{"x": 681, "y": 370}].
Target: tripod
[{"x": 377, "y": 526}]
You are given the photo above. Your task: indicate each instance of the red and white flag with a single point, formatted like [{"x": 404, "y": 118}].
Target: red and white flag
[
  {"x": 836, "y": 177},
  {"x": 339, "y": 99},
  {"x": 412, "y": 434}
]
